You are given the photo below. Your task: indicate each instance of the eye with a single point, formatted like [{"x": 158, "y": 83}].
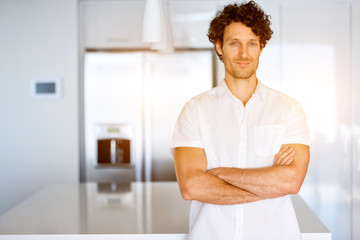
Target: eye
[
  {"x": 252, "y": 44},
  {"x": 233, "y": 43}
]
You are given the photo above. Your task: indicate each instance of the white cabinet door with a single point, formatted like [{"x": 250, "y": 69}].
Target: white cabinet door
[
  {"x": 190, "y": 22},
  {"x": 316, "y": 71},
  {"x": 112, "y": 24}
]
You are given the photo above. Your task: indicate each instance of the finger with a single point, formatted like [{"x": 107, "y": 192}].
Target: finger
[
  {"x": 276, "y": 159},
  {"x": 283, "y": 148},
  {"x": 288, "y": 162},
  {"x": 288, "y": 159},
  {"x": 277, "y": 156},
  {"x": 285, "y": 153},
  {"x": 284, "y": 157}
]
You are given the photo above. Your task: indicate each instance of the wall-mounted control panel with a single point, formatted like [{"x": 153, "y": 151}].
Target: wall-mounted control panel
[{"x": 46, "y": 88}]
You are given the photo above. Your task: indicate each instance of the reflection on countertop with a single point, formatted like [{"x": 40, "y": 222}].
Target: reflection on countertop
[
  {"x": 103, "y": 209},
  {"x": 100, "y": 208}
]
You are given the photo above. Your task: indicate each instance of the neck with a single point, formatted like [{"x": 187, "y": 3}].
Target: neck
[{"x": 242, "y": 88}]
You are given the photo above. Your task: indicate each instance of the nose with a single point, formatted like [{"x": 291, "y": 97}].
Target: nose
[{"x": 243, "y": 52}]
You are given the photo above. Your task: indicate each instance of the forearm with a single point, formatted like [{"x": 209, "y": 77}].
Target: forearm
[
  {"x": 196, "y": 184},
  {"x": 267, "y": 182},
  {"x": 284, "y": 177},
  {"x": 207, "y": 188}
]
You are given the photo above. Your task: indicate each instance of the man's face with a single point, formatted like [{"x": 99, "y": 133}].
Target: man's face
[{"x": 240, "y": 51}]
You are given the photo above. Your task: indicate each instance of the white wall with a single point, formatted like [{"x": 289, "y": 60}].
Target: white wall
[
  {"x": 38, "y": 138},
  {"x": 355, "y": 119}
]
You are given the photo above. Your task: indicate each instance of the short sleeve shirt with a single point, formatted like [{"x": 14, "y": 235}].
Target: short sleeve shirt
[{"x": 243, "y": 137}]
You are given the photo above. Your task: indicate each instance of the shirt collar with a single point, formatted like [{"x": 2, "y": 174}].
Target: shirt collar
[
  {"x": 224, "y": 91},
  {"x": 259, "y": 91}
]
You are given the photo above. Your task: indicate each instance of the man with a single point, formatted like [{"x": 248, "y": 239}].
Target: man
[{"x": 241, "y": 148}]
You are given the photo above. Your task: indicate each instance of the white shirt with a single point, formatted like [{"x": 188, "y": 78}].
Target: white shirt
[{"x": 244, "y": 137}]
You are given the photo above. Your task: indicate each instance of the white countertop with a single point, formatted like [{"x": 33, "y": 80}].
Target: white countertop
[{"x": 117, "y": 211}]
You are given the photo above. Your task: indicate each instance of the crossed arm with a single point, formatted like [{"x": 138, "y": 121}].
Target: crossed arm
[{"x": 227, "y": 186}]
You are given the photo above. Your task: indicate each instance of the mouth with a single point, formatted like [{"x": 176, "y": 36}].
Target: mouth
[{"x": 242, "y": 63}]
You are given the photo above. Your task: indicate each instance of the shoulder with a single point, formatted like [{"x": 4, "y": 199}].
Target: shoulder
[
  {"x": 192, "y": 106},
  {"x": 206, "y": 97},
  {"x": 279, "y": 98}
]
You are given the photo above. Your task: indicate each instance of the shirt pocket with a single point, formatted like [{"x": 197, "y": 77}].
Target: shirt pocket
[{"x": 268, "y": 139}]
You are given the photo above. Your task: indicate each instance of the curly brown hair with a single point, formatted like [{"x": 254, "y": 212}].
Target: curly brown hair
[{"x": 249, "y": 13}]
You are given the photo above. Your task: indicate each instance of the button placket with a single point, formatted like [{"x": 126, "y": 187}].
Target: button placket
[
  {"x": 241, "y": 163},
  {"x": 242, "y": 154},
  {"x": 239, "y": 228}
]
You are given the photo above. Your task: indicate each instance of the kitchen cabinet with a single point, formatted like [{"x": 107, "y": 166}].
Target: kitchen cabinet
[
  {"x": 190, "y": 22},
  {"x": 112, "y": 24},
  {"x": 118, "y": 24}
]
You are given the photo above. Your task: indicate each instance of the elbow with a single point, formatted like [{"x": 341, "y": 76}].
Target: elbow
[
  {"x": 293, "y": 182},
  {"x": 191, "y": 187},
  {"x": 184, "y": 190},
  {"x": 186, "y": 195},
  {"x": 187, "y": 189},
  {"x": 294, "y": 187}
]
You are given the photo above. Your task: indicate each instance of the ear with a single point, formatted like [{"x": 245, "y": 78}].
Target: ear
[{"x": 218, "y": 48}]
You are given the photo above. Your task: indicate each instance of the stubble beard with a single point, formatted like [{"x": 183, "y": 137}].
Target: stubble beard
[
  {"x": 244, "y": 73},
  {"x": 238, "y": 72}
]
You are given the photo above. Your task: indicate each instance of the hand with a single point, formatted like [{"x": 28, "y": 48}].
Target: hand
[{"x": 284, "y": 156}]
